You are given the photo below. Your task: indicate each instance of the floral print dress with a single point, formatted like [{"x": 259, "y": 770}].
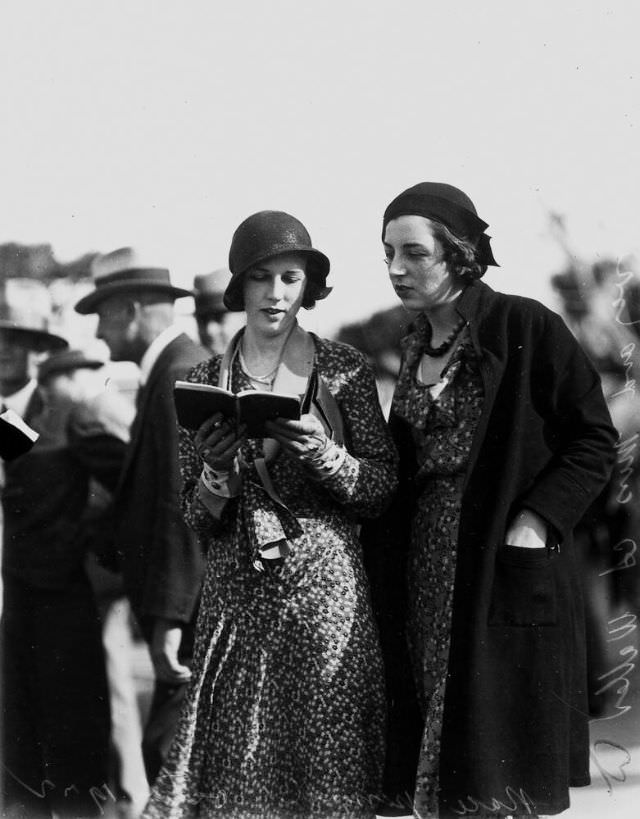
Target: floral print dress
[
  {"x": 285, "y": 713},
  {"x": 443, "y": 418}
]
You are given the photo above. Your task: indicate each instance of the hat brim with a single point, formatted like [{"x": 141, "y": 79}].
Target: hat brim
[
  {"x": 232, "y": 299},
  {"x": 39, "y": 340},
  {"x": 89, "y": 303}
]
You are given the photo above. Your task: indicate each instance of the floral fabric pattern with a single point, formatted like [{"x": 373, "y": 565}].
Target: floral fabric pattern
[
  {"x": 444, "y": 418},
  {"x": 285, "y": 713}
]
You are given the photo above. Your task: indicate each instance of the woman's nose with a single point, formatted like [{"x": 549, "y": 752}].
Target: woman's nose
[
  {"x": 396, "y": 268},
  {"x": 277, "y": 288}
]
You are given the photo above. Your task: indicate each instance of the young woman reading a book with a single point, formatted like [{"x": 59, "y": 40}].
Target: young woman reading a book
[{"x": 285, "y": 715}]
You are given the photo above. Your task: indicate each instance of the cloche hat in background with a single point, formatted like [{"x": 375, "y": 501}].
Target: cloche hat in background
[
  {"x": 264, "y": 235},
  {"x": 66, "y": 361},
  {"x": 208, "y": 291},
  {"x": 123, "y": 271},
  {"x": 25, "y": 309}
]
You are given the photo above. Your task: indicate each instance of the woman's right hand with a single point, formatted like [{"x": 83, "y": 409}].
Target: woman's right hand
[{"x": 218, "y": 442}]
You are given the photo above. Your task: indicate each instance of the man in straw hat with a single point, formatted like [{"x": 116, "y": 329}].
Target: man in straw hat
[
  {"x": 160, "y": 558},
  {"x": 55, "y": 714}
]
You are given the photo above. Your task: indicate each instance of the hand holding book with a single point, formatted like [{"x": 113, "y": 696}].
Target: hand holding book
[{"x": 196, "y": 403}]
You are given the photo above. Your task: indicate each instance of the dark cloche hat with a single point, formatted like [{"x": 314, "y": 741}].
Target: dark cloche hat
[
  {"x": 448, "y": 205},
  {"x": 25, "y": 307},
  {"x": 264, "y": 235},
  {"x": 65, "y": 362},
  {"x": 120, "y": 272}
]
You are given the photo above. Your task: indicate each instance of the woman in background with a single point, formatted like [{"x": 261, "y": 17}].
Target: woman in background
[
  {"x": 285, "y": 715},
  {"x": 504, "y": 440}
]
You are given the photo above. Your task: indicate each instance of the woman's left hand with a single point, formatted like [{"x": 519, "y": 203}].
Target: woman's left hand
[
  {"x": 527, "y": 530},
  {"x": 303, "y": 438}
]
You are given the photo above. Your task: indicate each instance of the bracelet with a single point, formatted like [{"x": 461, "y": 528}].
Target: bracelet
[
  {"x": 218, "y": 481},
  {"x": 328, "y": 459}
]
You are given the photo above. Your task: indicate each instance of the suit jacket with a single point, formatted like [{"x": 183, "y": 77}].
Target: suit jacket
[{"x": 161, "y": 560}]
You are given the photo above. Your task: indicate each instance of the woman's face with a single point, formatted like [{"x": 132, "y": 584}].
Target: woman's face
[
  {"x": 417, "y": 271},
  {"x": 273, "y": 292}
]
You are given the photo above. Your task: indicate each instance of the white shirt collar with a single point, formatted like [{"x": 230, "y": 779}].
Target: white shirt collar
[
  {"x": 19, "y": 401},
  {"x": 153, "y": 351}
]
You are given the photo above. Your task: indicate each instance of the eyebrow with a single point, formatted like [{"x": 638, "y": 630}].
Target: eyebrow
[{"x": 408, "y": 244}]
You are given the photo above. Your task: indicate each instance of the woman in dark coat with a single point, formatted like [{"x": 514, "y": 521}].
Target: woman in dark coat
[{"x": 505, "y": 440}]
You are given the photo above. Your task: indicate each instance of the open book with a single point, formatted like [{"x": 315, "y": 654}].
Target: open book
[
  {"x": 195, "y": 403},
  {"x": 16, "y": 436}
]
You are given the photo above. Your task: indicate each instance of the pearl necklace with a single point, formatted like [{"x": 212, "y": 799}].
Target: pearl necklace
[
  {"x": 447, "y": 344},
  {"x": 267, "y": 378}
]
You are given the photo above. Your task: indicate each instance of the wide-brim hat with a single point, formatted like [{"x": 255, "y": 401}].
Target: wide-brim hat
[
  {"x": 65, "y": 362},
  {"x": 208, "y": 292},
  {"x": 25, "y": 308},
  {"x": 264, "y": 235},
  {"x": 121, "y": 272}
]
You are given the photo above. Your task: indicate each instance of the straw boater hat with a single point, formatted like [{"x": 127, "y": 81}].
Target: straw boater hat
[
  {"x": 25, "y": 308},
  {"x": 208, "y": 291},
  {"x": 123, "y": 272},
  {"x": 66, "y": 361}
]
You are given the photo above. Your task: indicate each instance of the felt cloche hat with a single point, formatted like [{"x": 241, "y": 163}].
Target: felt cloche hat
[{"x": 264, "y": 235}]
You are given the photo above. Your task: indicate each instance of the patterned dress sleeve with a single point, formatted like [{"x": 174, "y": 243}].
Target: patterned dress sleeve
[{"x": 367, "y": 479}]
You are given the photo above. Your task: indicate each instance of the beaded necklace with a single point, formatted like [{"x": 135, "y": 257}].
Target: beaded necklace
[{"x": 447, "y": 344}]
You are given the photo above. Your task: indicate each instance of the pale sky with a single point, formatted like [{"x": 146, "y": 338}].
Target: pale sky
[{"x": 164, "y": 124}]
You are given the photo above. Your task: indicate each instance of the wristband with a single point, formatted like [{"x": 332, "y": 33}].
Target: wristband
[{"x": 217, "y": 482}]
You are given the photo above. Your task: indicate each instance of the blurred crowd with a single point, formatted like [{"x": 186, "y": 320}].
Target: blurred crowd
[{"x": 72, "y": 734}]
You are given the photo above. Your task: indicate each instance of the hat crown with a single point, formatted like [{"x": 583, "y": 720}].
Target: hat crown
[
  {"x": 443, "y": 191},
  {"x": 265, "y": 234}
]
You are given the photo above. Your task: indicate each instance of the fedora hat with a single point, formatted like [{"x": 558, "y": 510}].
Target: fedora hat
[
  {"x": 208, "y": 291},
  {"x": 66, "y": 361},
  {"x": 264, "y": 235},
  {"x": 25, "y": 308},
  {"x": 121, "y": 272}
]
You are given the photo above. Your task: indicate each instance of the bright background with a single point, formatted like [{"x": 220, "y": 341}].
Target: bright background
[{"x": 163, "y": 124}]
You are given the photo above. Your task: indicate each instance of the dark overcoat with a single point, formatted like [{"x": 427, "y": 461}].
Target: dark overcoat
[{"x": 515, "y": 719}]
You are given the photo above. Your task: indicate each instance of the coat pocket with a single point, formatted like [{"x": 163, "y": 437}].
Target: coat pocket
[{"x": 524, "y": 588}]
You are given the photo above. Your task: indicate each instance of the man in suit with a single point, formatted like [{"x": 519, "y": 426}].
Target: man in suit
[
  {"x": 55, "y": 709},
  {"x": 160, "y": 557}
]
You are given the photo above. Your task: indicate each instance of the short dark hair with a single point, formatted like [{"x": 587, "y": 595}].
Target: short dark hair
[{"x": 460, "y": 255}]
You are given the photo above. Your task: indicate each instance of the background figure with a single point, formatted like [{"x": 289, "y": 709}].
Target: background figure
[
  {"x": 158, "y": 555},
  {"x": 601, "y": 304},
  {"x": 72, "y": 378},
  {"x": 212, "y": 317},
  {"x": 55, "y": 709},
  {"x": 379, "y": 339}
]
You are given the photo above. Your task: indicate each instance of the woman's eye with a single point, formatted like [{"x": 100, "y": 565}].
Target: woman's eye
[
  {"x": 255, "y": 276},
  {"x": 291, "y": 279}
]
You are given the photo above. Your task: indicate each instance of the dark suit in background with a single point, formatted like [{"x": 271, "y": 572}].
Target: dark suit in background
[{"x": 161, "y": 559}]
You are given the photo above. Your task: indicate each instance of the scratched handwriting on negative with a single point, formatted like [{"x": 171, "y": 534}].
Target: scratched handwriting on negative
[
  {"x": 616, "y": 680},
  {"x": 610, "y": 759},
  {"x": 514, "y": 801},
  {"x": 100, "y": 794}
]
